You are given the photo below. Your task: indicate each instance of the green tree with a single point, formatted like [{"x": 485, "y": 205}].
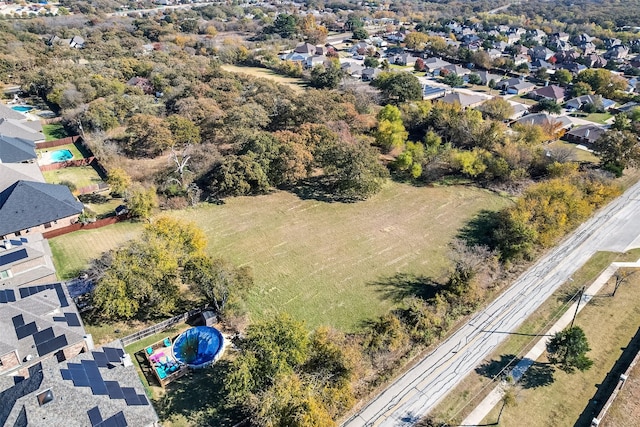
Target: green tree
[
  {"x": 360, "y": 34},
  {"x": 563, "y": 76},
  {"x": 397, "y": 88},
  {"x": 453, "y": 80},
  {"x": 410, "y": 160},
  {"x": 371, "y": 62},
  {"x": 497, "y": 108},
  {"x": 237, "y": 176},
  {"x": 549, "y": 105},
  {"x": 141, "y": 201},
  {"x": 353, "y": 23},
  {"x": 568, "y": 348},
  {"x": 581, "y": 88},
  {"x": 285, "y": 25},
  {"x": 602, "y": 81},
  {"x": 416, "y": 40},
  {"x": 327, "y": 77},
  {"x": 391, "y": 132},
  {"x": 475, "y": 79},
  {"x": 119, "y": 181},
  {"x": 617, "y": 151},
  {"x": 184, "y": 131},
  {"x": 148, "y": 135}
]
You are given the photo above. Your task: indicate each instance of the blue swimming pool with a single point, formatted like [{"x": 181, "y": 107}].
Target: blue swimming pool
[
  {"x": 198, "y": 347},
  {"x": 61, "y": 156},
  {"x": 22, "y": 108}
]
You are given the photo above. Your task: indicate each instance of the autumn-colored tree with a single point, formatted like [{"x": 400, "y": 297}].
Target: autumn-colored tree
[
  {"x": 118, "y": 180},
  {"x": 148, "y": 135},
  {"x": 391, "y": 133},
  {"x": 416, "y": 40}
]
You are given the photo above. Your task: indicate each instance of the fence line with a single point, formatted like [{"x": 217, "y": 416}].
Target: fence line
[
  {"x": 158, "y": 327},
  {"x": 59, "y": 142},
  {"x": 87, "y": 161},
  {"x": 80, "y": 226}
]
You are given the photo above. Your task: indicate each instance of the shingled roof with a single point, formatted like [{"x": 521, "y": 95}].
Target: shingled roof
[
  {"x": 16, "y": 150},
  {"x": 28, "y": 204}
]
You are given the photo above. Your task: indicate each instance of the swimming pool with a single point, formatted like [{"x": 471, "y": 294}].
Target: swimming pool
[
  {"x": 198, "y": 347},
  {"x": 22, "y": 108}
]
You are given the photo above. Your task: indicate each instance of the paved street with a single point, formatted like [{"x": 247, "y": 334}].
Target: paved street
[{"x": 414, "y": 394}]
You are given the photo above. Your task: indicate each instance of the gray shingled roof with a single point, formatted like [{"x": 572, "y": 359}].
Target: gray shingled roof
[
  {"x": 16, "y": 150},
  {"x": 12, "y": 172},
  {"x": 28, "y": 204},
  {"x": 8, "y": 113},
  {"x": 21, "y": 129}
]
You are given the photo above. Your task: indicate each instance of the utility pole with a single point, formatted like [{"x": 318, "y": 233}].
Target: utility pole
[{"x": 577, "y": 307}]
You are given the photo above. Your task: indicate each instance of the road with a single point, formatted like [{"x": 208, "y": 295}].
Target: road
[{"x": 411, "y": 396}]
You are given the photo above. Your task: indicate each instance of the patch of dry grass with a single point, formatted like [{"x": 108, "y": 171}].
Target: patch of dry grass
[{"x": 294, "y": 83}]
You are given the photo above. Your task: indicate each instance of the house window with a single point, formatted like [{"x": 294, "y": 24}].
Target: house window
[
  {"x": 5, "y": 274},
  {"x": 47, "y": 225}
]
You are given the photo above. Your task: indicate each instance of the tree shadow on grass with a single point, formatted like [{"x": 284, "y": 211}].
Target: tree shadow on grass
[
  {"x": 537, "y": 375},
  {"x": 319, "y": 188},
  {"x": 478, "y": 231},
  {"x": 403, "y": 285},
  {"x": 199, "y": 396},
  {"x": 494, "y": 367}
]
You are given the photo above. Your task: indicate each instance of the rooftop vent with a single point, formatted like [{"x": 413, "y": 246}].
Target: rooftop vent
[{"x": 45, "y": 397}]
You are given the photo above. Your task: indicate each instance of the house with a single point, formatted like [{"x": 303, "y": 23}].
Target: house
[
  {"x": 544, "y": 119},
  {"x": 585, "y": 135},
  {"x": 29, "y": 206},
  {"x": 541, "y": 63},
  {"x": 451, "y": 68},
  {"x": 312, "y": 61},
  {"x": 565, "y": 56},
  {"x": 433, "y": 65},
  {"x": 352, "y": 69},
  {"x": 143, "y": 83},
  {"x": 397, "y": 37},
  {"x": 465, "y": 100},
  {"x": 405, "y": 59},
  {"x": 573, "y": 67},
  {"x": 24, "y": 262},
  {"x": 521, "y": 59},
  {"x": 432, "y": 92},
  {"x": 494, "y": 53},
  {"x": 617, "y": 52},
  {"x": 16, "y": 150},
  {"x": 594, "y": 61},
  {"x": 626, "y": 108},
  {"x": 486, "y": 77},
  {"x": 309, "y": 49},
  {"x": 552, "y": 92},
  {"x": 577, "y": 103},
  {"x": 368, "y": 74},
  {"x": 540, "y": 52},
  {"x": 519, "y": 110}
]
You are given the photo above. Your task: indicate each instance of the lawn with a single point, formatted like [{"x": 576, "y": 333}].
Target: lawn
[
  {"x": 463, "y": 398},
  {"x": 73, "y": 251},
  {"x": 78, "y": 152},
  {"x": 625, "y": 410},
  {"x": 609, "y": 324},
  {"x": 326, "y": 263},
  {"x": 81, "y": 176},
  {"x": 54, "y": 131},
  {"x": 600, "y": 118},
  {"x": 523, "y": 99},
  {"x": 294, "y": 83}
]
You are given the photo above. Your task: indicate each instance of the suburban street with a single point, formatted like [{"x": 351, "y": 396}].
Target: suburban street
[{"x": 410, "y": 397}]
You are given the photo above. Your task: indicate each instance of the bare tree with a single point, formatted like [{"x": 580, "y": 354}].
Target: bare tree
[{"x": 621, "y": 276}]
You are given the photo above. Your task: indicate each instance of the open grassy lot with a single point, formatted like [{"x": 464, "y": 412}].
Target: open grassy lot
[
  {"x": 464, "y": 398},
  {"x": 326, "y": 263},
  {"x": 73, "y": 251},
  {"x": 609, "y": 324},
  {"x": 54, "y": 131},
  {"x": 294, "y": 83},
  {"x": 81, "y": 176}
]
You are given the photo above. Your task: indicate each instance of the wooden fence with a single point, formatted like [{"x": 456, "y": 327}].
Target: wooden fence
[
  {"x": 158, "y": 327},
  {"x": 59, "y": 142},
  {"x": 88, "y": 161},
  {"x": 80, "y": 226}
]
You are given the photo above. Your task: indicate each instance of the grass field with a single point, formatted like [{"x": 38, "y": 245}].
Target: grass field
[
  {"x": 579, "y": 155},
  {"x": 294, "y": 83},
  {"x": 81, "y": 176},
  {"x": 463, "y": 398},
  {"x": 326, "y": 263},
  {"x": 54, "y": 131},
  {"x": 600, "y": 118},
  {"x": 73, "y": 251},
  {"x": 609, "y": 324}
]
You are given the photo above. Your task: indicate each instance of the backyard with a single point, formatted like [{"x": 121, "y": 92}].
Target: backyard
[
  {"x": 326, "y": 263},
  {"x": 80, "y": 176},
  {"x": 54, "y": 131}
]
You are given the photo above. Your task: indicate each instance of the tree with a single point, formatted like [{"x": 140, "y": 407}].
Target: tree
[
  {"x": 285, "y": 25},
  {"x": 141, "y": 201},
  {"x": 567, "y": 349},
  {"x": 238, "y": 176},
  {"x": 549, "y": 105},
  {"x": 391, "y": 132},
  {"x": 148, "y": 135},
  {"x": 475, "y": 79},
  {"x": 327, "y": 77},
  {"x": 312, "y": 31},
  {"x": 397, "y": 88},
  {"x": 621, "y": 277},
  {"x": 119, "y": 181},
  {"x": 602, "y": 81},
  {"x": 184, "y": 131},
  {"x": 371, "y": 62},
  {"x": 216, "y": 281},
  {"x": 542, "y": 73},
  {"x": 352, "y": 23},
  {"x": 416, "y": 40},
  {"x": 617, "y": 151},
  {"x": 563, "y": 76},
  {"x": 497, "y": 108},
  {"x": 453, "y": 80},
  {"x": 581, "y": 88},
  {"x": 410, "y": 160},
  {"x": 360, "y": 34}
]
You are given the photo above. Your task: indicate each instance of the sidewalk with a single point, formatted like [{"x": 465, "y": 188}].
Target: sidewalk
[{"x": 495, "y": 396}]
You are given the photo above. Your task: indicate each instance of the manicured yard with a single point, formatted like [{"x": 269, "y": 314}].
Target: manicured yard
[
  {"x": 327, "y": 263},
  {"x": 77, "y": 152},
  {"x": 523, "y": 99},
  {"x": 609, "y": 324},
  {"x": 54, "y": 131},
  {"x": 294, "y": 83},
  {"x": 73, "y": 251},
  {"x": 81, "y": 176},
  {"x": 600, "y": 118}
]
